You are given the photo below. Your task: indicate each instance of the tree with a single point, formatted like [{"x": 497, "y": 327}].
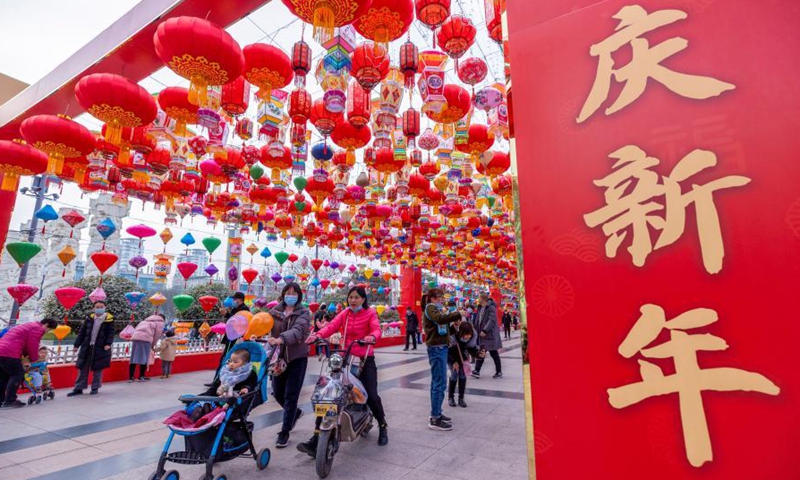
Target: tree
[
  {"x": 115, "y": 287},
  {"x": 195, "y": 312}
]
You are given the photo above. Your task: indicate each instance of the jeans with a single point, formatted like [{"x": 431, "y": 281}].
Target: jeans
[
  {"x": 286, "y": 388},
  {"x": 495, "y": 356},
  {"x": 166, "y": 367},
  {"x": 419, "y": 337},
  {"x": 11, "y": 375},
  {"x": 83, "y": 377},
  {"x": 413, "y": 337},
  {"x": 369, "y": 378},
  {"x": 437, "y": 358}
]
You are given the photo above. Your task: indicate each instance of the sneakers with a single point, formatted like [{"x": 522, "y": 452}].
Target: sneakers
[
  {"x": 93, "y": 392},
  {"x": 144, "y": 379},
  {"x": 75, "y": 393},
  {"x": 309, "y": 447},
  {"x": 498, "y": 375},
  {"x": 383, "y": 435},
  {"x": 462, "y": 403},
  {"x": 298, "y": 413},
  {"x": 130, "y": 380},
  {"x": 283, "y": 440},
  {"x": 451, "y": 401},
  {"x": 14, "y": 404},
  {"x": 440, "y": 424},
  {"x": 445, "y": 418},
  {"x": 476, "y": 374}
]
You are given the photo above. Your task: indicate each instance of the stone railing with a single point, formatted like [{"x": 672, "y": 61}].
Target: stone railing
[{"x": 65, "y": 354}]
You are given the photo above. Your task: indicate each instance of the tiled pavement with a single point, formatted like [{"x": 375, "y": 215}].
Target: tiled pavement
[{"x": 118, "y": 434}]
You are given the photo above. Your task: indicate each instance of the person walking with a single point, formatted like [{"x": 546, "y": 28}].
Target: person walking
[
  {"x": 488, "y": 336},
  {"x": 437, "y": 339},
  {"x": 412, "y": 324},
  {"x": 144, "y": 340},
  {"x": 21, "y": 340},
  {"x": 95, "y": 337},
  {"x": 506, "y": 325},
  {"x": 359, "y": 322},
  {"x": 289, "y": 332}
]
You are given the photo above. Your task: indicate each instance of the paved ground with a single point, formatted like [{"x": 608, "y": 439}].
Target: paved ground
[{"x": 118, "y": 434}]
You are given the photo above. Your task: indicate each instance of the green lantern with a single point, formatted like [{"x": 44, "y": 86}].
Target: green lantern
[
  {"x": 182, "y": 302},
  {"x": 281, "y": 257},
  {"x": 22, "y": 252},
  {"x": 211, "y": 244},
  {"x": 256, "y": 171},
  {"x": 300, "y": 183}
]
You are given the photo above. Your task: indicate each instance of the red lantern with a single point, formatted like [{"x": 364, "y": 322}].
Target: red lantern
[
  {"x": 324, "y": 120},
  {"x": 18, "y": 159},
  {"x": 229, "y": 160},
  {"x": 359, "y": 105},
  {"x": 479, "y": 140},
  {"x": 411, "y": 126},
  {"x": 103, "y": 260},
  {"x": 235, "y": 97},
  {"x": 456, "y": 35},
  {"x": 249, "y": 274},
  {"x": 58, "y": 137},
  {"x": 301, "y": 62},
  {"x": 494, "y": 18},
  {"x": 199, "y": 51},
  {"x": 385, "y": 161},
  {"x": 186, "y": 270},
  {"x": 432, "y": 12},
  {"x": 457, "y": 105},
  {"x": 369, "y": 64},
  {"x": 281, "y": 162},
  {"x": 351, "y": 138},
  {"x": 115, "y": 101},
  {"x": 409, "y": 63},
  {"x": 319, "y": 190},
  {"x": 175, "y": 103},
  {"x": 266, "y": 67},
  {"x": 472, "y": 71},
  {"x": 300, "y": 106},
  {"x": 418, "y": 185},
  {"x": 500, "y": 163},
  {"x": 207, "y": 302},
  {"x": 326, "y": 15},
  {"x": 385, "y": 20},
  {"x": 158, "y": 160}
]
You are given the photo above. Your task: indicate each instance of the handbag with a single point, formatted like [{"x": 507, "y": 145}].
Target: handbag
[
  {"x": 465, "y": 365},
  {"x": 277, "y": 364}
]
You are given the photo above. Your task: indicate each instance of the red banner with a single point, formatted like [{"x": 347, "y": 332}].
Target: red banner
[{"x": 659, "y": 173}]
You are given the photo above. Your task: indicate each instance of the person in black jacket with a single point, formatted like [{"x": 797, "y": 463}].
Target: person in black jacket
[
  {"x": 238, "y": 359},
  {"x": 463, "y": 345},
  {"x": 94, "y": 340},
  {"x": 238, "y": 306},
  {"x": 507, "y": 325},
  {"x": 412, "y": 325}
]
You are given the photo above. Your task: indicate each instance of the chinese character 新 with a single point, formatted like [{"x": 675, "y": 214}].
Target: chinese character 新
[
  {"x": 689, "y": 380},
  {"x": 631, "y": 192},
  {"x": 645, "y": 63}
]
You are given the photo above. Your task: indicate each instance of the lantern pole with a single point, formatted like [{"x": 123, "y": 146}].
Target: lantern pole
[{"x": 38, "y": 191}]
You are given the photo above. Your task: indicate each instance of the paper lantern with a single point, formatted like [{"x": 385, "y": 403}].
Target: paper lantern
[
  {"x": 385, "y": 20},
  {"x": 73, "y": 218},
  {"x": 456, "y": 106},
  {"x": 456, "y": 35},
  {"x": 18, "y": 159},
  {"x": 105, "y": 228},
  {"x": 409, "y": 63},
  {"x": 66, "y": 255},
  {"x": 323, "y": 119},
  {"x": 141, "y": 232},
  {"x": 324, "y": 283},
  {"x": 68, "y": 297},
  {"x": 134, "y": 299},
  {"x": 61, "y": 332},
  {"x": 249, "y": 274},
  {"x": 325, "y": 15},
  {"x": 208, "y": 302},
  {"x": 22, "y": 292},
  {"x": 186, "y": 270},
  {"x": 157, "y": 300},
  {"x": 218, "y": 328},
  {"x": 188, "y": 239},
  {"x": 369, "y": 64},
  {"x": 211, "y": 244},
  {"x": 183, "y": 302},
  {"x": 235, "y": 97},
  {"x": 97, "y": 295},
  {"x": 359, "y": 105},
  {"x": 199, "y": 51},
  {"x": 175, "y": 103},
  {"x": 432, "y": 13},
  {"x": 267, "y": 67},
  {"x": 59, "y": 137},
  {"x": 472, "y": 71},
  {"x": 494, "y": 10},
  {"x": 22, "y": 252},
  {"x": 103, "y": 260},
  {"x": 281, "y": 257}
]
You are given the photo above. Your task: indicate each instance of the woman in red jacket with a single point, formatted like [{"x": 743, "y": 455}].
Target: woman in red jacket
[{"x": 359, "y": 322}]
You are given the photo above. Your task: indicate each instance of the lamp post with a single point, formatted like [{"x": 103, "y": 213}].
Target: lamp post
[{"x": 38, "y": 190}]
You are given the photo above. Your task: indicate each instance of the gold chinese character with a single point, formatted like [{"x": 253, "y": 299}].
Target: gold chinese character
[
  {"x": 689, "y": 380},
  {"x": 630, "y": 192},
  {"x": 645, "y": 63}
]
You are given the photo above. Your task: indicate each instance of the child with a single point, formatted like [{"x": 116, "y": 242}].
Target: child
[
  {"x": 40, "y": 375},
  {"x": 462, "y": 345},
  {"x": 235, "y": 377},
  {"x": 166, "y": 351}
]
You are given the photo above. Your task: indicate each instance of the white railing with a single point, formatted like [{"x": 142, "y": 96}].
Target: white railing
[{"x": 65, "y": 354}]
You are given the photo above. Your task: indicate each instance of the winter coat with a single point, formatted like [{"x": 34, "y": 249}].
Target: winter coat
[
  {"x": 355, "y": 326},
  {"x": 487, "y": 323},
  {"x": 149, "y": 330},
  {"x": 412, "y": 322},
  {"x": 167, "y": 349},
  {"x": 467, "y": 348},
  {"x": 432, "y": 318},
  {"x": 506, "y": 319},
  {"x": 293, "y": 330},
  {"x": 99, "y": 357},
  {"x": 251, "y": 382},
  {"x": 22, "y": 340}
]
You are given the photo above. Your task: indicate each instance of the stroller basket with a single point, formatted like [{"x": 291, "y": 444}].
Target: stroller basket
[{"x": 233, "y": 442}]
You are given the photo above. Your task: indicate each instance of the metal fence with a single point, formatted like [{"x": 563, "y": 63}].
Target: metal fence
[{"x": 65, "y": 354}]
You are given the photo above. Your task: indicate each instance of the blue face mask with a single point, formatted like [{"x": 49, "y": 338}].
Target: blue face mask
[
  {"x": 356, "y": 309},
  {"x": 99, "y": 311},
  {"x": 290, "y": 300}
]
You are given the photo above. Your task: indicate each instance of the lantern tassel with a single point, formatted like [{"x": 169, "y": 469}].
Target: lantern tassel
[
  {"x": 324, "y": 21},
  {"x": 10, "y": 182},
  {"x": 198, "y": 91},
  {"x": 180, "y": 128},
  {"x": 113, "y": 133}
]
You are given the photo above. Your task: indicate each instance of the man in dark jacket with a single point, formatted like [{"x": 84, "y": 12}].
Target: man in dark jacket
[
  {"x": 238, "y": 306},
  {"x": 94, "y": 340},
  {"x": 412, "y": 324},
  {"x": 488, "y": 335},
  {"x": 506, "y": 325}
]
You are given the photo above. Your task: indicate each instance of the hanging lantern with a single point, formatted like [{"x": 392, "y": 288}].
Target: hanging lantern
[
  {"x": 235, "y": 97},
  {"x": 59, "y": 137},
  {"x": 411, "y": 126},
  {"x": 199, "y": 51},
  {"x": 457, "y": 105},
  {"x": 385, "y": 20},
  {"x": 103, "y": 260},
  {"x": 456, "y": 35},
  {"x": 472, "y": 71},
  {"x": 19, "y": 159},
  {"x": 351, "y": 138},
  {"x": 322, "y": 119},
  {"x": 432, "y": 13},
  {"x": 479, "y": 140},
  {"x": 494, "y": 18},
  {"x": 175, "y": 103},
  {"x": 325, "y": 15},
  {"x": 359, "y": 106},
  {"x": 431, "y": 81},
  {"x": 267, "y": 67},
  {"x": 369, "y": 64},
  {"x": 498, "y": 163},
  {"x": 409, "y": 63},
  {"x": 299, "y": 106},
  {"x": 301, "y": 62}
]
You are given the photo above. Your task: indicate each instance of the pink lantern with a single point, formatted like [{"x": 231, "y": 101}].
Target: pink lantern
[
  {"x": 218, "y": 328},
  {"x": 235, "y": 327},
  {"x": 141, "y": 232},
  {"x": 68, "y": 297},
  {"x": 97, "y": 295}
]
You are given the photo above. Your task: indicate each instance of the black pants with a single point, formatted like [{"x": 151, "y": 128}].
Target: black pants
[
  {"x": 11, "y": 374},
  {"x": 412, "y": 335},
  {"x": 369, "y": 377},
  {"x": 132, "y": 370},
  {"x": 507, "y": 330},
  {"x": 286, "y": 388},
  {"x": 495, "y": 356}
]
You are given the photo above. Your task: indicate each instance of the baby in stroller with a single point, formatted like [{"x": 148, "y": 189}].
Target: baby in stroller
[
  {"x": 37, "y": 378},
  {"x": 236, "y": 378}
]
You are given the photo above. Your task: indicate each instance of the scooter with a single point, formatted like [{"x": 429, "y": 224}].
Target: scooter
[{"x": 339, "y": 400}]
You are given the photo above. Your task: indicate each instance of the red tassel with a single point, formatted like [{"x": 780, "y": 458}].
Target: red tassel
[
  {"x": 64, "y": 273},
  {"x": 101, "y": 281},
  {"x": 43, "y": 229}
]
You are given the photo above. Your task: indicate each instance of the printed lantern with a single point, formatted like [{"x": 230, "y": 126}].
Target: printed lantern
[
  {"x": 479, "y": 140},
  {"x": 199, "y": 51},
  {"x": 457, "y": 105},
  {"x": 117, "y": 102},
  {"x": 385, "y": 20},
  {"x": 276, "y": 163},
  {"x": 411, "y": 126},
  {"x": 162, "y": 267},
  {"x": 432, "y": 12},
  {"x": 369, "y": 64},
  {"x": 431, "y": 81},
  {"x": 456, "y": 35},
  {"x": 385, "y": 161},
  {"x": 320, "y": 189},
  {"x": 22, "y": 292},
  {"x": 498, "y": 164},
  {"x": 300, "y": 106},
  {"x": 18, "y": 159},
  {"x": 351, "y": 138},
  {"x": 325, "y": 15},
  {"x": 267, "y": 67},
  {"x": 409, "y": 63},
  {"x": 301, "y": 62},
  {"x": 359, "y": 106},
  {"x": 324, "y": 120},
  {"x": 472, "y": 71},
  {"x": 235, "y": 97},
  {"x": 175, "y": 103},
  {"x": 494, "y": 18},
  {"x": 59, "y": 137},
  {"x": 73, "y": 218}
]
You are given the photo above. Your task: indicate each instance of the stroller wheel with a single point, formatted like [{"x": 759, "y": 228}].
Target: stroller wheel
[
  {"x": 221, "y": 477},
  {"x": 31, "y": 399},
  {"x": 38, "y": 399},
  {"x": 171, "y": 475},
  {"x": 263, "y": 458},
  {"x": 51, "y": 394}
]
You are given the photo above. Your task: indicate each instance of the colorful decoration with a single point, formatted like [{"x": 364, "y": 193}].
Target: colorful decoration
[
  {"x": 17, "y": 159},
  {"x": 325, "y": 15},
  {"x": 22, "y": 292},
  {"x": 103, "y": 260},
  {"x": 57, "y": 136},
  {"x": 183, "y": 302}
]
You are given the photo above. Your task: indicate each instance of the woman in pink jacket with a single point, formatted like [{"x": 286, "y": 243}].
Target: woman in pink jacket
[
  {"x": 22, "y": 340},
  {"x": 358, "y": 322},
  {"x": 145, "y": 337}
]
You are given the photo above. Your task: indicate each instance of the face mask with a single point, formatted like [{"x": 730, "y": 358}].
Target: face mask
[
  {"x": 469, "y": 310},
  {"x": 356, "y": 309},
  {"x": 290, "y": 300},
  {"x": 466, "y": 339},
  {"x": 99, "y": 311}
]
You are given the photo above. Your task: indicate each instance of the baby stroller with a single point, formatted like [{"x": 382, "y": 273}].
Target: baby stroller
[
  {"x": 228, "y": 435},
  {"x": 45, "y": 392}
]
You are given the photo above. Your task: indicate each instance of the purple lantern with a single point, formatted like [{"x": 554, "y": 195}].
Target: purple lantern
[
  {"x": 233, "y": 274},
  {"x": 276, "y": 277},
  {"x": 137, "y": 262}
]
